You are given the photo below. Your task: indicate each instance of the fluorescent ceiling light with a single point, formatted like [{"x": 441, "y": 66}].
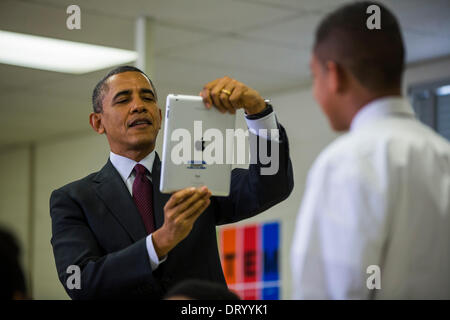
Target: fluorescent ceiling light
[
  {"x": 59, "y": 55},
  {"x": 442, "y": 91}
]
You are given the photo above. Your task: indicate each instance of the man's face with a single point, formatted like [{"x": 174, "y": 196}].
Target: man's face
[
  {"x": 325, "y": 91},
  {"x": 131, "y": 117}
]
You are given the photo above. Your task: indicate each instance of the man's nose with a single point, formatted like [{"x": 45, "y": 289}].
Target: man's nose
[{"x": 138, "y": 105}]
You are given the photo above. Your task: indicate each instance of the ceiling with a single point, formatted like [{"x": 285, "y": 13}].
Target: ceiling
[{"x": 264, "y": 43}]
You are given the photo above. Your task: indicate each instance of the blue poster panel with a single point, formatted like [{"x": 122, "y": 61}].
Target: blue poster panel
[{"x": 270, "y": 248}]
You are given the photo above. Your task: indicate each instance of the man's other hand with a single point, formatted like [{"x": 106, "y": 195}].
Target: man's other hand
[
  {"x": 228, "y": 95},
  {"x": 180, "y": 214}
]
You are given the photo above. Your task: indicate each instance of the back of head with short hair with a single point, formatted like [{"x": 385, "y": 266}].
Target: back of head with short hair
[
  {"x": 375, "y": 57},
  {"x": 102, "y": 86}
]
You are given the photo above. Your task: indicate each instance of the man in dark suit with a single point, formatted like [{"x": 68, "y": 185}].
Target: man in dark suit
[{"x": 126, "y": 238}]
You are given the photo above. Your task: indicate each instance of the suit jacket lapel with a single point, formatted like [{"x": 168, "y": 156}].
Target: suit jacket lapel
[
  {"x": 114, "y": 193},
  {"x": 159, "y": 199}
]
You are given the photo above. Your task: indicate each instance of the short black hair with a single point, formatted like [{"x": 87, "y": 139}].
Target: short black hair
[
  {"x": 376, "y": 57},
  {"x": 101, "y": 87},
  {"x": 201, "y": 290}
]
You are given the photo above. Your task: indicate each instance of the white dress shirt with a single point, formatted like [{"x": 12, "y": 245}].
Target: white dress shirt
[
  {"x": 125, "y": 168},
  {"x": 378, "y": 195}
]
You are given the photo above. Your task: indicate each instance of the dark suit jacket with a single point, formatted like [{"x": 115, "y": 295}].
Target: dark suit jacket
[{"x": 96, "y": 225}]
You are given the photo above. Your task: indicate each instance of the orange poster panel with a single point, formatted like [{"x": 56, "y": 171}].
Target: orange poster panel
[{"x": 228, "y": 243}]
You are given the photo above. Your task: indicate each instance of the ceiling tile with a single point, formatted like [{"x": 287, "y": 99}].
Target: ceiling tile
[
  {"x": 244, "y": 54},
  {"x": 295, "y": 33},
  {"x": 303, "y": 5},
  {"x": 263, "y": 43},
  {"x": 50, "y": 21},
  {"x": 190, "y": 76},
  {"x": 207, "y": 15}
]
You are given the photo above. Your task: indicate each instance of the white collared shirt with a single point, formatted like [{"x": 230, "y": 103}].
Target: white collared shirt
[
  {"x": 377, "y": 196},
  {"x": 125, "y": 168}
]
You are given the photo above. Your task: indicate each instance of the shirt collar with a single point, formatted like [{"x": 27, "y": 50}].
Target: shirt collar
[
  {"x": 381, "y": 108},
  {"x": 125, "y": 165}
]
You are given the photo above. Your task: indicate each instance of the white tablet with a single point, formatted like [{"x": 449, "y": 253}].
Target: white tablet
[{"x": 196, "y": 151}]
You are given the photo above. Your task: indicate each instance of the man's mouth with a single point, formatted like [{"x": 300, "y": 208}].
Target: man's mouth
[{"x": 140, "y": 123}]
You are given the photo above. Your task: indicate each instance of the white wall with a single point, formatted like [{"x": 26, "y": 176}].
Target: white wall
[{"x": 57, "y": 162}]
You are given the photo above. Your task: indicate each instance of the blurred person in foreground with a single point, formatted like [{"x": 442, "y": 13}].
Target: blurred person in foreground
[
  {"x": 13, "y": 285},
  {"x": 374, "y": 222},
  {"x": 193, "y": 289},
  {"x": 127, "y": 238}
]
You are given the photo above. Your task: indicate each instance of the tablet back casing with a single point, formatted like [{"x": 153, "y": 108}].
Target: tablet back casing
[{"x": 189, "y": 114}]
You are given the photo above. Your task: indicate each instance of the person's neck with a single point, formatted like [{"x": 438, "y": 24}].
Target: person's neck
[
  {"x": 136, "y": 155},
  {"x": 358, "y": 101}
]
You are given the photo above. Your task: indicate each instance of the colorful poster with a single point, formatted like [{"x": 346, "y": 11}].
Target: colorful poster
[{"x": 250, "y": 260}]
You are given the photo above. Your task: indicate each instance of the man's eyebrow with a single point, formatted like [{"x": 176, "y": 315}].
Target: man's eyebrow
[
  {"x": 145, "y": 90},
  {"x": 121, "y": 93},
  {"x": 128, "y": 92}
]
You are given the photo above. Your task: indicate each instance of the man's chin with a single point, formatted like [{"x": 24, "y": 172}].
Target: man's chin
[{"x": 142, "y": 144}]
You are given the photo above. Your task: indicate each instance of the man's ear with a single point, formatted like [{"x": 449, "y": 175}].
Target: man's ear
[
  {"x": 160, "y": 118},
  {"x": 95, "y": 120},
  {"x": 335, "y": 77}
]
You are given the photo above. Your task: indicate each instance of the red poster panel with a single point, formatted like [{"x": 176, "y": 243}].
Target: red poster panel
[
  {"x": 251, "y": 262},
  {"x": 238, "y": 288}
]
